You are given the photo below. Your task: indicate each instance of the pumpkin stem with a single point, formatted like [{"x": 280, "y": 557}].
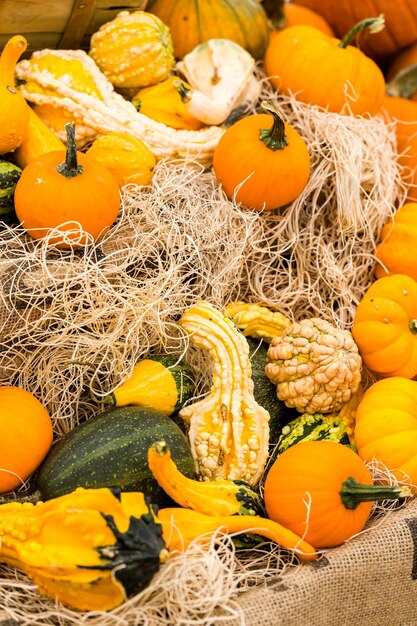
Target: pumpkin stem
[
  {"x": 12, "y": 51},
  {"x": 274, "y": 138},
  {"x": 412, "y": 325},
  {"x": 274, "y": 10},
  {"x": 404, "y": 84},
  {"x": 373, "y": 24},
  {"x": 354, "y": 493},
  {"x": 70, "y": 167},
  {"x": 182, "y": 90}
]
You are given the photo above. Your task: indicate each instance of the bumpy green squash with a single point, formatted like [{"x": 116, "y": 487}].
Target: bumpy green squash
[
  {"x": 9, "y": 175},
  {"x": 307, "y": 427},
  {"x": 110, "y": 450}
]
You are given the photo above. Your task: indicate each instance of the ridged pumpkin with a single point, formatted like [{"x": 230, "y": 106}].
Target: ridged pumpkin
[
  {"x": 400, "y": 18},
  {"x": 386, "y": 426},
  {"x": 126, "y": 157},
  {"x": 133, "y": 50},
  {"x": 192, "y": 22},
  {"x": 324, "y": 71},
  {"x": 323, "y": 491},
  {"x": 25, "y": 436},
  {"x": 257, "y": 150},
  {"x": 397, "y": 250},
  {"x": 385, "y": 326},
  {"x": 14, "y": 111}
]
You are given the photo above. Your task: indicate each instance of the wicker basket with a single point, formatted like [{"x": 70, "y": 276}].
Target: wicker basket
[{"x": 58, "y": 23}]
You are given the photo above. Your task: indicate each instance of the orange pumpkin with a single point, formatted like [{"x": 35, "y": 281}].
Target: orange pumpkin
[
  {"x": 285, "y": 14},
  {"x": 322, "y": 70},
  {"x": 70, "y": 192},
  {"x": 402, "y": 61},
  {"x": 323, "y": 492},
  {"x": 268, "y": 161},
  {"x": 385, "y": 326},
  {"x": 396, "y": 252},
  {"x": 192, "y": 22},
  {"x": 404, "y": 113},
  {"x": 25, "y": 436},
  {"x": 14, "y": 110},
  {"x": 386, "y": 426},
  {"x": 400, "y": 19}
]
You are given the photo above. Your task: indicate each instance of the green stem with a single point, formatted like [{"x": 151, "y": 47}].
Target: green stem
[
  {"x": 182, "y": 90},
  {"x": 412, "y": 325},
  {"x": 373, "y": 24},
  {"x": 274, "y": 138},
  {"x": 354, "y": 493},
  {"x": 274, "y": 10},
  {"x": 404, "y": 85},
  {"x": 70, "y": 168}
]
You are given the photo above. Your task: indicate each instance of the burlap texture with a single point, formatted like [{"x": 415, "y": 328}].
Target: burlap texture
[{"x": 369, "y": 581}]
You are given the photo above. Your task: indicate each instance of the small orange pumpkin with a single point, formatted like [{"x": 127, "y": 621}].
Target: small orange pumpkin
[
  {"x": 269, "y": 162},
  {"x": 404, "y": 113},
  {"x": 396, "y": 252},
  {"x": 400, "y": 18},
  {"x": 385, "y": 326},
  {"x": 323, "y": 492},
  {"x": 25, "y": 436},
  {"x": 70, "y": 192},
  {"x": 386, "y": 426},
  {"x": 322, "y": 70},
  {"x": 14, "y": 110},
  {"x": 403, "y": 61}
]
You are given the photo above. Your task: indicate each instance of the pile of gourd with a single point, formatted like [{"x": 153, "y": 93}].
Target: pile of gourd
[{"x": 278, "y": 448}]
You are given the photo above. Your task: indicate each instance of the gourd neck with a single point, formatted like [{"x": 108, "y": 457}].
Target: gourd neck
[
  {"x": 372, "y": 24},
  {"x": 274, "y": 10},
  {"x": 12, "y": 51},
  {"x": 353, "y": 493},
  {"x": 274, "y": 138},
  {"x": 412, "y": 325},
  {"x": 404, "y": 85},
  {"x": 70, "y": 167}
]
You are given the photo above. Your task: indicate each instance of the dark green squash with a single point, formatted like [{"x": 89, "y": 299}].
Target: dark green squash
[
  {"x": 9, "y": 175},
  {"x": 110, "y": 450},
  {"x": 159, "y": 381},
  {"x": 265, "y": 392}
]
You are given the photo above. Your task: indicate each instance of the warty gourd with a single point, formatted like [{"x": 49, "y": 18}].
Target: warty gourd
[
  {"x": 228, "y": 430},
  {"x": 71, "y": 81}
]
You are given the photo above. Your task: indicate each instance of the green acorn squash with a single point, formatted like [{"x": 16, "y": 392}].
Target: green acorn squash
[{"x": 9, "y": 175}]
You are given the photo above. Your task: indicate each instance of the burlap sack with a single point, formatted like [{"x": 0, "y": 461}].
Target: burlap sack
[{"x": 369, "y": 581}]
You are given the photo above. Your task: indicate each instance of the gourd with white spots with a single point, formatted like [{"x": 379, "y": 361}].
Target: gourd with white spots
[{"x": 228, "y": 430}]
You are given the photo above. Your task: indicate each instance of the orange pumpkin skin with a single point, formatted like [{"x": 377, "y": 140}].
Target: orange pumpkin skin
[
  {"x": 400, "y": 21},
  {"x": 405, "y": 59},
  {"x": 269, "y": 179},
  {"x": 386, "y": 426},
  {"x": 304, "y": 61},
  {"x": 295, "y": 15},
  {"x": 192, "y": 22},
  {"x": 385, "y": 326},
  {"x": 397, "y": 251},
  {"x": 404, "y": 112},
  {"x": 313, "y": 472},
  {"x": 25, "y": 436},
  {"x": 45, "y": 199}
]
